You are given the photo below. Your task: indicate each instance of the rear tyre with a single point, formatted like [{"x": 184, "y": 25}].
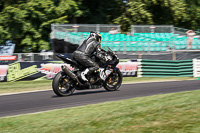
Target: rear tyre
[
  {"x": 113, "y": 81},
  {"x": 62, "y": 85}
]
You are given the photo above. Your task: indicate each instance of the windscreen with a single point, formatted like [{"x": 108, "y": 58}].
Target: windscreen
[{"x": 107, "y": 49}]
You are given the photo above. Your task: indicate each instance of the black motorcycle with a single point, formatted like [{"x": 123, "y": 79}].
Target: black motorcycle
[{"x": 109, "y": 76}]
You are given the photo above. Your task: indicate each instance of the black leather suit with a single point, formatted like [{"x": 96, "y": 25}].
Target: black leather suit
[{"x": 84, "y": 52}]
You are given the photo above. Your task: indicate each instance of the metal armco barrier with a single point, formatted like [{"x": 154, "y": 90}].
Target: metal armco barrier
[
  {"x": 196, "y": 67},
  {"x": 165, "y": 68}
]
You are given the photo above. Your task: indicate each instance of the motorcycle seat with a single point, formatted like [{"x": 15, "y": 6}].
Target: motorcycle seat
[{"x": 66, "y": 59}]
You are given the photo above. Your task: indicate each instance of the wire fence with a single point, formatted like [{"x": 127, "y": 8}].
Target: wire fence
[
  {"x": 83, "y": 27},
  {"x": 152, "y": 29},
  {"x": 142, "y": 50},
  {"x": 182, "y": 31},
  {"x": 23, "y": 57}
]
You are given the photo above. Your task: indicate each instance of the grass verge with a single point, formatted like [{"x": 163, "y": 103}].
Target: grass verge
[
  {"x": 154, "y": 79},
  {"x": 44, "y": 84},
  {"x": 168, "y": 113}
]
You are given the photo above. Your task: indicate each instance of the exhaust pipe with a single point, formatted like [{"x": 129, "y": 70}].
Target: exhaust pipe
[{"x": 70, "y": 74}]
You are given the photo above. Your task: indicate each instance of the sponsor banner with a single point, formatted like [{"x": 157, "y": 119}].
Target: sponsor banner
[
  {"x": 21, "y": 71},
  {"x": 15, "y": 72},
  {"x": 33, "y": 70},
  {"x": 128, "y": 69},
  {"x": 51, "y": 69},
  {"x": 3, "y": 72},
  {"x": 6, "y": 58}
]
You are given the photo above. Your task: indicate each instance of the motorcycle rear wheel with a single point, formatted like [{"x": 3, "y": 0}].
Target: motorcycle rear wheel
[
  {"x": 113, "y": 81},
  {"x": 62, "y": 86}
]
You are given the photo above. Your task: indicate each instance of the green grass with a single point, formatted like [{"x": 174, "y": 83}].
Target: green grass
[
  {"x": 154, "y": 79},
  {"x": 20, "y": 86},
  {"x": 44, "y": 84},
  {"x": 168, "y": 113}
]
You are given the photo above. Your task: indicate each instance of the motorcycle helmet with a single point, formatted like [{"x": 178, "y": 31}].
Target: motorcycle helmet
[{"x": 96, "y": 35}]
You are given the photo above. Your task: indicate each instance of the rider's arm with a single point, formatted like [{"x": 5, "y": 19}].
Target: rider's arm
[{"x": 99, "y": 53}]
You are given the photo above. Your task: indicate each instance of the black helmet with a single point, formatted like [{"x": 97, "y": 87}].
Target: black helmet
[{"x": 96, "y": 35}]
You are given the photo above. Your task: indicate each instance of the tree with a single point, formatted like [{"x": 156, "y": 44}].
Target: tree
[
  {"x": 99, "y": 12},
  {"x": 152, "y": 12},
  {"x": 134, "y": 12},
  {"x": 28, "y": 24},
  {"x": 193, "y": 15}
]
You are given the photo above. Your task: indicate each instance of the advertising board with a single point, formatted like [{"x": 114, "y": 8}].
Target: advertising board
[{"x": 34, "y": 70}]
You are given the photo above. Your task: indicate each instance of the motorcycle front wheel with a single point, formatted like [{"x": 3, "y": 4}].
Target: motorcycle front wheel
[
  {"x": 62, "y": 85},
  {"x": 113, "y": 81}
]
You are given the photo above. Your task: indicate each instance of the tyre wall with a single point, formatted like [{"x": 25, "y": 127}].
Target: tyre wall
[{"x": 165, "y": 68}]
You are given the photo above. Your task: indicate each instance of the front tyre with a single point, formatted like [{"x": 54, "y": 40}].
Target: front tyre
[
  {"x": 114, "y": 81},
  {"x": 62, "y": 85}
]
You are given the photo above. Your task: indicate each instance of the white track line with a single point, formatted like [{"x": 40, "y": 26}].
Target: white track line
[{"x": 23, "y": 92}]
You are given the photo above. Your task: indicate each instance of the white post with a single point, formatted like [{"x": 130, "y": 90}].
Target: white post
[
  {"x": 139, "y": 72},
  {"x": 196, "y": 68},
  {"x": 194, "y": 65}
]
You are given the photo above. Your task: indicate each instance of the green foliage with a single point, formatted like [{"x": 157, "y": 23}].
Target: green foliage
[
  {"x": 100, "y": 12},
  {"x": 135, "y": 12},
  {"x": 193, "y": 15},
  {"x": 152, "y": 12},
  {"x": 28, "y": 22}
]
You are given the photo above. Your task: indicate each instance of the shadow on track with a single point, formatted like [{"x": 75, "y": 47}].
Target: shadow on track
[{"x": 86, "y": 93}]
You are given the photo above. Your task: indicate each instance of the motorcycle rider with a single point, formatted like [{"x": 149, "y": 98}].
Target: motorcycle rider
[{"x": 84, "y": 52}]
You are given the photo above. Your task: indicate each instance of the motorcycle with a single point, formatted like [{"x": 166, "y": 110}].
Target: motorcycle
[{"x": 108, "y": 76}]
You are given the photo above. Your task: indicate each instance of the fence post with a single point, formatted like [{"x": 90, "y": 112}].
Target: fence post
[
  {"x": 172, "y": 29},
  {"x": 32, "y": 57},
  {"x": 97, "y": 28},
  {"x": 118, "y": 28},
  {"x": 124, "y": 52},
  {"x": 173, "y": 50},
  {"x": 52, "y": 27},
  {"x": 174, "y": 55},
  {"x": 149, "y": 47},
  {"x": 19, "y": 57}
]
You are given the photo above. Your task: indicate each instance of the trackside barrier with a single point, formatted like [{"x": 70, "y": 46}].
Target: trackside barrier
[
  {"x": 38, "y": 69},
  {"x": 196, "y": 67},
  {"x": 164, "y": 68}
]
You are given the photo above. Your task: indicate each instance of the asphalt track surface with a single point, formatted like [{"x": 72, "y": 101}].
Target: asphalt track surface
[{"x": 23, "y": 103}]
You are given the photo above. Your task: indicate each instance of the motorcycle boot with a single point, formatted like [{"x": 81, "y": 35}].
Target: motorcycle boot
[{"x": 83, "y": 74}]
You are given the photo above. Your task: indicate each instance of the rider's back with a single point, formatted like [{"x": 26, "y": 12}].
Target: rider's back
[{"x": 88, "y": 46}]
